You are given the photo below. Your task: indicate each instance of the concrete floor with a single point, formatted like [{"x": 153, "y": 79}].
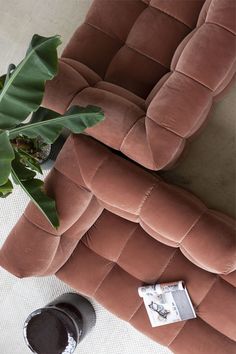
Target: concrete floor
[
  {"x": 21, "y": 19},
  {"x": 208, "y": 169}
]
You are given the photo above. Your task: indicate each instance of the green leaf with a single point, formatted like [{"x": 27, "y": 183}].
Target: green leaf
[
  {"x": 6, "y": 189},
  {"x": 29, "y": 161},
  {"x": 6, "y": 157},
  {"x": 34, "y": 189},
  {"x": 48, "y": 124},
  {"x": 22, "y": 171},
  {"x": 23, "y": 92}
]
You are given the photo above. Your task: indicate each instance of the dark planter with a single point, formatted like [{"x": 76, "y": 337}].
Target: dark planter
[
  {"x": 60, "y": 326},
  {"x": 54, "y": 150}
]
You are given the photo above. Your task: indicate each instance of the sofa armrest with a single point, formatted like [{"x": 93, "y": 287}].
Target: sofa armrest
[
  {"x": 202, "y": 67},
  {"x": 72, "y": 78},
  {"x": 28, "y": 250},
  {"x": 34, "y": 247}
]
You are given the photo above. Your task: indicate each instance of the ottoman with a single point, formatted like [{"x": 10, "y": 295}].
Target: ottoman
[{"x": 123, "y": 227}]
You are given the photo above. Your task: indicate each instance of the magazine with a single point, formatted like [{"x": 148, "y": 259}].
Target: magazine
[{"x": 167, "y": 303}]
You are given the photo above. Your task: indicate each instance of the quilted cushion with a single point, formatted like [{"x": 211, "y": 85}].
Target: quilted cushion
[
  {"x": 153, "y": 66},
  {"x": 122, "y": 227}
]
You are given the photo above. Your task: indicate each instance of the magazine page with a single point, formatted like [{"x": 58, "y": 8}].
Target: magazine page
[{"x": 167, "y": 303}]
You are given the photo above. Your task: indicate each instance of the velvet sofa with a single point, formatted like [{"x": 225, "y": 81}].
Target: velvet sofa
[
  {"x": 154, "y": 66},
  {"x": 123, "y": 227}
]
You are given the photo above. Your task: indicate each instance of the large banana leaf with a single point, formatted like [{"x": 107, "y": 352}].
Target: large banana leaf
[
  {"x": 34, "y": 188},
  {"x": 6, "y": 157},
  {"x": 48, "y": 124},
  {"x": 23, "y": 91}
]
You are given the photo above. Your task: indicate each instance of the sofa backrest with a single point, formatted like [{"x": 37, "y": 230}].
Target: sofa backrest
[{"x": 131, "y": 43}]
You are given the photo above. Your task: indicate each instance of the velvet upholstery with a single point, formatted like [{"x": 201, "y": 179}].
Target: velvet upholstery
[
  {"x": 154, "y": 66},
  {"x": 122, "y": 227}
]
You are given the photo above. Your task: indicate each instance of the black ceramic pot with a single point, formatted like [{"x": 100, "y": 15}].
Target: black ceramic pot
[{"x": 60, "y": 326}]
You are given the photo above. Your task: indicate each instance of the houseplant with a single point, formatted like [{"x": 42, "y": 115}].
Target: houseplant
[{"x": 23, "y": 134}]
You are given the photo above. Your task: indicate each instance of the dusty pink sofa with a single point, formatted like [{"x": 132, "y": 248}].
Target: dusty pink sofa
[
  {"x": 122, "y": 227},
  {"x": 154, "y": 66}
]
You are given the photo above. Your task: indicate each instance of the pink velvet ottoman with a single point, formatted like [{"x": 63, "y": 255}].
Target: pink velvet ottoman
[{"x": 122, "y": 227}]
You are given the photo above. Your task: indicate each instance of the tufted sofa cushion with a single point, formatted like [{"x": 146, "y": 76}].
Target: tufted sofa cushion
[
  {"x": 122, "y": 227},
  {"x": 155, "y": 68}
]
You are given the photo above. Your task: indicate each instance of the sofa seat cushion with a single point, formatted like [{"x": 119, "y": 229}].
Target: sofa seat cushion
[{"x": 117, "y": 256}]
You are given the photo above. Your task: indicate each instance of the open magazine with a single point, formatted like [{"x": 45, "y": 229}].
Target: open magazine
[{"x": 167, "y": 303}]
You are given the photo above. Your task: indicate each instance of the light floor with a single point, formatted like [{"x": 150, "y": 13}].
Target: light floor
[{"x": 208, "y": 170}]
